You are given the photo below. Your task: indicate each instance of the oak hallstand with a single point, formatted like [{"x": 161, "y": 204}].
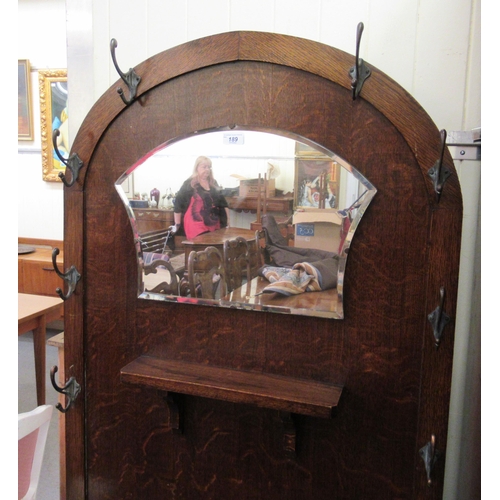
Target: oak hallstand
[{"x": 195, "y": 402}]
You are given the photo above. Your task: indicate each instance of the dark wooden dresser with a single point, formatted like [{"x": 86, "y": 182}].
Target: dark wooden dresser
[{"x": 153, "y": 219}]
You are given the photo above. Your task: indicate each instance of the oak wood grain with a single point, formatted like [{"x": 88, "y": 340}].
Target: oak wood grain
[
  {"x": 306, "y": 397},
  {"x": 395, "y": 383}
]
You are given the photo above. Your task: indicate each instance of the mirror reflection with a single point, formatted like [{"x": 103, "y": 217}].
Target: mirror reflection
[{"x": 244, "y": 219}]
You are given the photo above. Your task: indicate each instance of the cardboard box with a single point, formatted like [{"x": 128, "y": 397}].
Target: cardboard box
[
  {"x": 249, "y": 188},
  {"x": 317, "y": 228}
]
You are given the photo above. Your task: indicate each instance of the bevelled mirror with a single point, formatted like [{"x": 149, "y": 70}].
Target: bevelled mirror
[{"x": 245, "y": 219}]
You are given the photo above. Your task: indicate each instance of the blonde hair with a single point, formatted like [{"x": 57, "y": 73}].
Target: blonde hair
[{"x": 194, "y": 176}]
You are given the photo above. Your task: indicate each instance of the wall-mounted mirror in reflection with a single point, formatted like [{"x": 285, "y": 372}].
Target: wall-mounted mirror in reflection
[{"x": 244, "y": 219}]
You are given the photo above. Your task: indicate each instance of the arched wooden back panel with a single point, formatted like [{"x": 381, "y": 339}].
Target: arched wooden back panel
[{"x": 122, "y": 440}]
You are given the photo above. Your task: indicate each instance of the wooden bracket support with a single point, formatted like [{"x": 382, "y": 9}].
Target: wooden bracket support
[
  {"x": 289, "y": 434},
  {"x": 173, "y": 411}
]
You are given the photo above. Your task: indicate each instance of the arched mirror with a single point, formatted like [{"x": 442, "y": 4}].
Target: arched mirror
[{"x": 271, "y": 233}]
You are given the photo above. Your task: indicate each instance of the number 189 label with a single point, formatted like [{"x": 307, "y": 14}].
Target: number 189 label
[{"x": 234, "y": 139}]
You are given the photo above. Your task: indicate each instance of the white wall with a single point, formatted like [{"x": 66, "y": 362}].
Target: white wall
[
  {"x": 431, "y": 48},
  {"x": 42, "y": 40}
]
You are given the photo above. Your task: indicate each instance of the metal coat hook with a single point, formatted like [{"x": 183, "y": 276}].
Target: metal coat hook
[
  {"x": 130, "y": 78},
  {"x": 439, "y": 173},
  {"x": 439, "y": 319},
  {"x": 71, "y": 389},
  {"x": 429, "y": 455},
  {"x": 73, "y": 163},
  {"x": 359, "y": 72},
  {"x": 72, "y": 276}
]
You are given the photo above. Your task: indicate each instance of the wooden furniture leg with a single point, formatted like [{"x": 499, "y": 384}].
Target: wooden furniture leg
[
  {"x": 34, "y": 312},
  {"x": 58, "y": 341},
  {"x": 39, "y": 351}
]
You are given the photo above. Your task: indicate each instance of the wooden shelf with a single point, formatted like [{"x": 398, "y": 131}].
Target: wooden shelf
[{"x": 306, "y": 397}]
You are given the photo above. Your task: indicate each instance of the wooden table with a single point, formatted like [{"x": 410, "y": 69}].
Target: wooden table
[
  {"x": 215, "y": 239},
  {"x": 34, "y": 312}
]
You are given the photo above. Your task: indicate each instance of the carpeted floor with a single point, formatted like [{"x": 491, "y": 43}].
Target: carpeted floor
[{"x": 48, "y": 488}]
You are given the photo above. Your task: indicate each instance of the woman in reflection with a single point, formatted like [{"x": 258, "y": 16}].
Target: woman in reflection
[{"x": 199, "y": 204}]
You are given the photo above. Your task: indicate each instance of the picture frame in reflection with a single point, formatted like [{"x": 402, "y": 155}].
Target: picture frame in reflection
[
  {"x": 53, "y": 93},
  {"x": 316, "y": 183}
]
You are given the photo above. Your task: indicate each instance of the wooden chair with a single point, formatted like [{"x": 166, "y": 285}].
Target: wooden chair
[
  {"x": 260, "y": 244},
  {"x": 206, "y": 274},
  {"x": 167, "y": 281},
  {"x": 238, "y": 260},
  {"x": 32, "y": 430},
  {"x": 261, "y": 197}
]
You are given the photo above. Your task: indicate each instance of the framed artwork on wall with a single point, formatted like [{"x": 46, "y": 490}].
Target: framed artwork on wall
[
  {"x": 53, "y": 90},
  {"x": 316, "y": 183},
  {"x": 316, "y": 178},
  {"x": 24, "y": 112}
]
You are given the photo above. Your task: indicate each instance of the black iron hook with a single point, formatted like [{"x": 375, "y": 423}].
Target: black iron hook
[
  {"x": 71, "y": 389},
  {"x": 439, "y": 319},
  {"x": 130, "y": 78},
  {"x": 359, "y": 72},
  {"x": 73, "y": 163},
  {"x": 72, "y": 276},
  {"x": 439, "y": 173},
  {"x": 430, "y": 455}
]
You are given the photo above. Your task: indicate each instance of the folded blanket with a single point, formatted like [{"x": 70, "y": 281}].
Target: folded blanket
[
  {"x": 275, "y": 240},
  {"x": 296, "y": 270},
  {"x": 285, "y": 256},
  {"x": 301, "y": 278},
  {"x": 291, "y": 281}
]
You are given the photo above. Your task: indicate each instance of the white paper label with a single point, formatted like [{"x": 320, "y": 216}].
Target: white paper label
[{"x": 234, "y": 139}]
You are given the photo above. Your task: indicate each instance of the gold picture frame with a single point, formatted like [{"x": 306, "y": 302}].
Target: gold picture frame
[
  {"x": 24, "y": 108},
  {"x": 53, "y": 90},
  {"x": 305, "y": 151}
]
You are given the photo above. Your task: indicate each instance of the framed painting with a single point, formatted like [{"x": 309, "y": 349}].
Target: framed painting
[
  {"x": 304, "y": 151},
  {"x": 316, "y": 183},
  {"x": 24, "y": 111},
  {"x": 53, "y": 89}
]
